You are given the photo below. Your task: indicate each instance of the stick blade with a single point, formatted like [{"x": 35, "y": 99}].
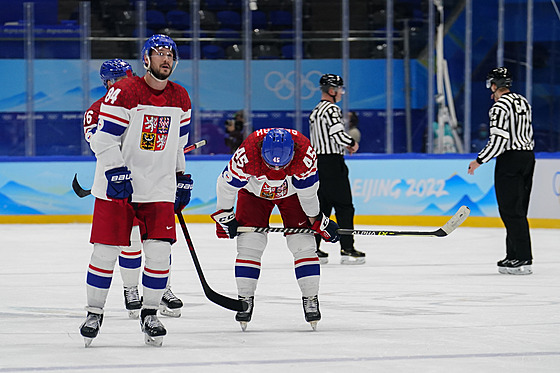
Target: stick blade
[
  {"x": 226, "y": 302},
  {"x": 80, "y": 192},
  {"x": 456, "y": 220}
]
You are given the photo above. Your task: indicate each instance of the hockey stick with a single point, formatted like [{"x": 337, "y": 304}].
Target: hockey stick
[
  {"x": 219, "y": 299},
  {"x": 81, "y": 192},
  {"x": 194, "y": 146},
  {"x": 455, "y": 221}
]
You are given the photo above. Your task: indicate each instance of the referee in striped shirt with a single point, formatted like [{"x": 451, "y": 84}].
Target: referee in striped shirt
[
  {"x": 330, "y": 141},
  {"x": 511, "y": 143}
]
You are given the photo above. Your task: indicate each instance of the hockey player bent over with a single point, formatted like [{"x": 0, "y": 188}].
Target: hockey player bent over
[
  {"x": 142, "y": 130},
  {"x": 273, "y": 167},
  {"x": 130, "y": 258}
]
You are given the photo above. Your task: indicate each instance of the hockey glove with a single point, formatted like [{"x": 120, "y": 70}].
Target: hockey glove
[
  {"x": 119, "y": 184},
  {"x": 326, "y": 228},
  {"x": 226, "y": 224},
  {"x": 184, "y": 188}
]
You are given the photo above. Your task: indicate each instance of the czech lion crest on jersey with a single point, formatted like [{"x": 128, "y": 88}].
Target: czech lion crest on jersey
[
  {"x": 272, "y": 192},
  {"x": 155, "y": 130}
]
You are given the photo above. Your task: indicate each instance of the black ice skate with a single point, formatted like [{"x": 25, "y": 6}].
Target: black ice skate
[
  {"x": 245, "y": 316},
  {"x": 519, "y": 267},
  {"x": 502, "y": 265},
  {"x": 311, "y": 310},
  {"x": 170, "y": 305},
  {"x": 132, "y": 301},
  {"x": 153, "y": 328},
  {"x": 90, "y": 328},
  {"x": 352, "y": 256},
  {"x": 323, "y": 256}
]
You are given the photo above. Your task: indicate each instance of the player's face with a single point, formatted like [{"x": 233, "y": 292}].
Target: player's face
[{"x": 161, "y": 62}]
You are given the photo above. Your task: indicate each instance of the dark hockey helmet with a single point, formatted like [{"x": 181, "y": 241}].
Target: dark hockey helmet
[
  {"x": 500, "y": 76},
  {"x": 331, "y": 80},
  {"x": 278, "y": 147},
  {"x": 112, "y": 69},
  {"x": 158, "y": 41}
]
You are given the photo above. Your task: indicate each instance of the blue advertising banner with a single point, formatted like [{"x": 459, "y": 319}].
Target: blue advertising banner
[{"x": 412, "y": 185}]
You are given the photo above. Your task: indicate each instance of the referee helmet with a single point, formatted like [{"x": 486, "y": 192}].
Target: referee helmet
[
  {"x": 330, "y": 81},
  {"x": 500, "y": 76},
  {"x": 278, "y": 147}
]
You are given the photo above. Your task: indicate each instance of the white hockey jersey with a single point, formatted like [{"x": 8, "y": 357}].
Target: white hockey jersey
[{"x": 146, "y": 131}]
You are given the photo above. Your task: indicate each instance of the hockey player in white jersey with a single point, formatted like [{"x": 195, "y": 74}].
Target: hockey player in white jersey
[
  {"x": 130, "y": 258},
  {"x": 142, "y": 130},
  {"x": 273, "y": 167}
]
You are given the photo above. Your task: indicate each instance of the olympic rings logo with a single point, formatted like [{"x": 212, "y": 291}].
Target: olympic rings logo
[
  {"x": 284, "y": 86},
  {"x": 556, "y": 183}
]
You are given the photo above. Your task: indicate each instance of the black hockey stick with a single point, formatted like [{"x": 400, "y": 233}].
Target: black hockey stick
[
  {"x": 455, "y": 221},
  {"x": 219, "y": 299},
  {"x": 81, "y": 192}
]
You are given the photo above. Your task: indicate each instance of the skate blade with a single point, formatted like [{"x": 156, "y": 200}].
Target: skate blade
[
  {"x": 313, "y": 324},
  {"x": 153, "y": 341},
  {"x": 503, "y": 270},
  {"x": 133, "y": 314},
  {"x": 170, "y": 312},
  {"x": 243, "y": 325},
  {"x": 87, "y": 341},
  {"x": 323, "y": 260},
  {"x": 525, "y": 270},
  {"x": 350, "y": 260}
]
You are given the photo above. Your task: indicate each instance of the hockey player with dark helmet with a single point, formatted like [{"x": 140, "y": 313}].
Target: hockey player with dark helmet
[
  {"x": 277, "y": 148},
  {"x": 500, "y": 76},
  {"x": 159, "y": 43},
  {"x": 329, "y": 81}
]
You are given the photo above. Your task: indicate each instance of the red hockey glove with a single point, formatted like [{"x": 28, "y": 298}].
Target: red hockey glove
[
  {"x": 326, "y": 228},
  {"x": 226, "y": 224}
]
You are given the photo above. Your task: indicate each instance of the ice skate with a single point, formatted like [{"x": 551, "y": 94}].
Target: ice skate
[
  {"x": 352, "y": 256},
  {"x": 153, "y": 328},
  {"x": 90, "y": 327},
  {"x": 323, "y": 256},
  {"x": 245, "y": 316},
  {"x": 502, "y": 266},
  {"x": 519, "y": 267},
  {"x": 132, "y": 301},
  {"x": 170, "y": 305},
  {"x": 311, "y": 310}
]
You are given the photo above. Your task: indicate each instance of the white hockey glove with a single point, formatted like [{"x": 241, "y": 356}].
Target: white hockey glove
[
  {"x": 226, "y": 224},
  {"x": 326, "y": 228}
]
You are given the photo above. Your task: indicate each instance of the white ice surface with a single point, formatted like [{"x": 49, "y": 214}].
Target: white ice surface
[{"x": 419, "y": 304}]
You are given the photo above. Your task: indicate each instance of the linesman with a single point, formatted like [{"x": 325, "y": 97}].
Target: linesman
[
  {"x": 330, "y": 141},
  {"x": 511, "y": 143}
]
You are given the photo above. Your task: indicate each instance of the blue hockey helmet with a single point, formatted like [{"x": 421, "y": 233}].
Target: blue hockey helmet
[
  {"x": 112, "y": 69},
  {"x": 159, "y": 41},
  {"x": 278, "y": 147}
]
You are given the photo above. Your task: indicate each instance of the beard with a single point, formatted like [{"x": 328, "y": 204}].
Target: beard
[{"x": 158, "y": 74}]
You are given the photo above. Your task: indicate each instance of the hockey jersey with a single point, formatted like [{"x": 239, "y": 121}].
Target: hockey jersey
[
  {"x": 247, "y": 170},
  {"x": 145, "y": 130}
]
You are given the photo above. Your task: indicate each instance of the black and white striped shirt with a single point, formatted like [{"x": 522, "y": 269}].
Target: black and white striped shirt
[
  {"x": 510, "y": 127},
  {"x": 326, "y": 129}
]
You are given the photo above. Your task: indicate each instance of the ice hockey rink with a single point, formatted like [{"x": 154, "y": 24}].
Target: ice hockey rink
[{"x": 419, "y": 304}]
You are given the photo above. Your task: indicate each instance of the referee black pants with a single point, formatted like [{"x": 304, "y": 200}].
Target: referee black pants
[
  {"x": 335, "y": 192},
  {"x": 513, "y": 179}
]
